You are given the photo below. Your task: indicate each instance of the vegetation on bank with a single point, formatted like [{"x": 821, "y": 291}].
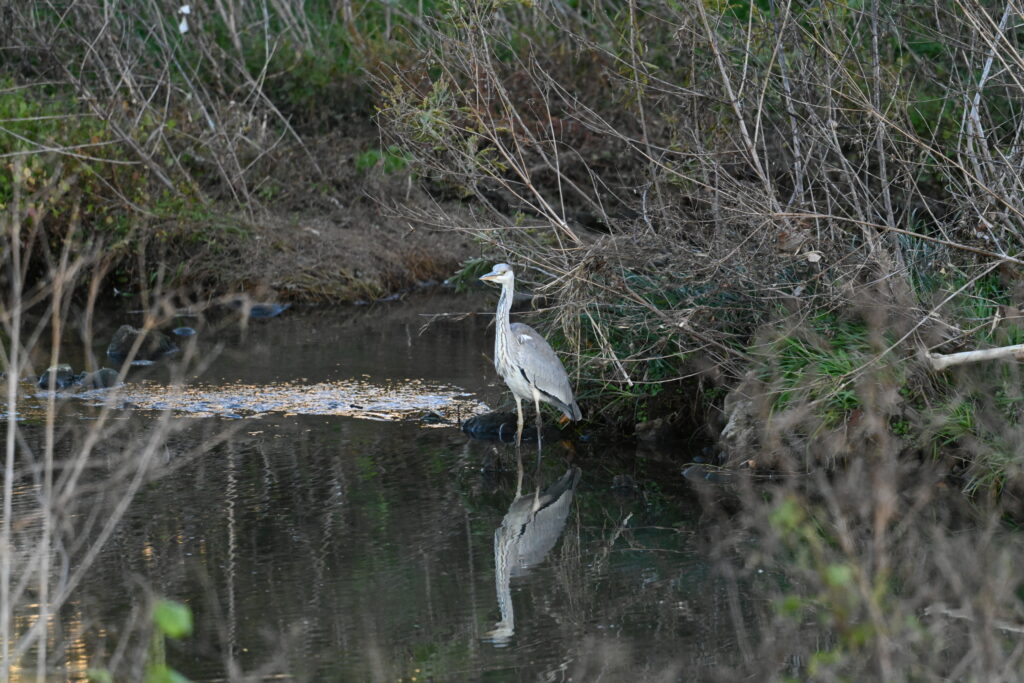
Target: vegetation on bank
[{"x": 798, "y": 201}]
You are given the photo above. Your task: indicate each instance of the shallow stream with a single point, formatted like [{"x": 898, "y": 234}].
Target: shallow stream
[{"x": 336, "y": 535}]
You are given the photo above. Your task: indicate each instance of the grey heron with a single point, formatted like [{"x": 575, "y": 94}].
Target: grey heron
[{"x": 526, "y": 361}]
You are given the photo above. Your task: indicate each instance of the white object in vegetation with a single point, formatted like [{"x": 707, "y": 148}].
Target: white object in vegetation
[{"x": 184, "y": 11}]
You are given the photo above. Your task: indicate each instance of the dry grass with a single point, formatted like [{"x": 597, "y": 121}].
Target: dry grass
[{"x": 684, "y": 183}]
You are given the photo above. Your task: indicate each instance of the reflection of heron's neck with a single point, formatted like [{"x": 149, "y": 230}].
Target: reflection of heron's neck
[{"x": 504, "y": 544}]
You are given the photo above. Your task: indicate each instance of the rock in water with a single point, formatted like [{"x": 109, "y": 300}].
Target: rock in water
[
  {"x": 155, "y": 345},
  {"x": 101, "y": 379},
  {"x": 268, "y": 310},
  {"x": 499, "y": 426},
  {"x": 258, "y": 310},
  {"x": 63, "y": 374}
]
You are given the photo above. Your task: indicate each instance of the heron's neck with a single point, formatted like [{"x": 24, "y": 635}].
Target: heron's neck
[{"x": 502, "y": 326}]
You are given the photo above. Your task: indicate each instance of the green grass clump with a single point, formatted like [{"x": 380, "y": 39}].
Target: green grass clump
[{"x": 816, "y": 365}]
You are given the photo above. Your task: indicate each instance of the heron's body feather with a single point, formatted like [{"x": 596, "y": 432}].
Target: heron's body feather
[{"x": 547, "y": 376}]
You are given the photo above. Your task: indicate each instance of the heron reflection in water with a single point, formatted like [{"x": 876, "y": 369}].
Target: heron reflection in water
[
  {"x": 527, "y": 533},
  {"x": 526, "y": 361}
]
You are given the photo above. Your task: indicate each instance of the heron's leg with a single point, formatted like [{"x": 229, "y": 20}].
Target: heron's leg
[
  {"x": 519, "y": 421},
  {"x": 536, "y": 405},
  {"x": 519, "y": 472}
]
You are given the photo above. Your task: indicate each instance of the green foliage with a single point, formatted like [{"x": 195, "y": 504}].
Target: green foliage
[
  {"x": 172, "y": 619},
  {"x": 37, "y": 126},
  {"x": 314, "y": 72},
  {"x": 76, "y": 173},
  {"x": 835, "y": 595},
  {"x": 815, "y": 364},
  {"x": 391, "y": 160},
  {"x": 164, "y": 674},
  {"x": 742, "y": 9}
]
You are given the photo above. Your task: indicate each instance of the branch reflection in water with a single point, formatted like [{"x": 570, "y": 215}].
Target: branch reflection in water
[{"x": 529, "y": 530}]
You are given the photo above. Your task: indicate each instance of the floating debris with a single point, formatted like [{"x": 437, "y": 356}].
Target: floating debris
[{"x": 353, "y": 398}]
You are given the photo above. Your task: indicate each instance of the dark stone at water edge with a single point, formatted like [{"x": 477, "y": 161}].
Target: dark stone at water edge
[
  {"x": 267, "y": 310},
  {"x": 496, "y": 427},
  {"x": 63, "y": 376},
  {"x": 259, "y": 310},
  {"x": 155, "y": 345},
  {"x": 101, "y": 379}
]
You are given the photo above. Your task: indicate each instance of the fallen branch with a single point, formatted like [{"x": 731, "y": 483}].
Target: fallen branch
[
  {"x": 941, "y": 361},
  {"x": 942, "y": 610}
]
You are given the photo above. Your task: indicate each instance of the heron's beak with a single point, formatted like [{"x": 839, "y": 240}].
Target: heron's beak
[{"x": 490, "y": 277}]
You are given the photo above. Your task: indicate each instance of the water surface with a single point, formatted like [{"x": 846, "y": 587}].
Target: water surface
[{"x": 314, "y": 544}]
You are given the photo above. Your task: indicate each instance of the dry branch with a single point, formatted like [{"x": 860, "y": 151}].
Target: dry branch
[{"x": 941, "y": 361}]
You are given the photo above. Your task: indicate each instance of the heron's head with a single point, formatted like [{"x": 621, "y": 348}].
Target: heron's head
[{"x": 501, "y": 273}]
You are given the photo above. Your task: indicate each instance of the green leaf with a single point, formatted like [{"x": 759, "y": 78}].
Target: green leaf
[
  {"x": 172, "y": 618},
  {"x": 838, "y": 575}
]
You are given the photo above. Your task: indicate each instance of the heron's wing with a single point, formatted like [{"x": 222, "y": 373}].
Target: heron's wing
[
  {"x": 533, "y": 524},
  {"x": 542, "y": 368}
]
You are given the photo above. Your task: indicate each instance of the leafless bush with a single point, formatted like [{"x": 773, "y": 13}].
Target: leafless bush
[
  {"x": 183, "y": 92},
  {"x": 691, "y": 176},
  {"x": 67, "y": 481}
]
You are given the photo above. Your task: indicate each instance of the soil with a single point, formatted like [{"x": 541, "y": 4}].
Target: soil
[{"x": 335, "y": 234}]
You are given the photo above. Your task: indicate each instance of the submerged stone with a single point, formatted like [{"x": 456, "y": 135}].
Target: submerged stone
[
  {"x": 656, "y": 430},
  {"x": 101, "y": 379},
  {"x": 155, "y": 345}
]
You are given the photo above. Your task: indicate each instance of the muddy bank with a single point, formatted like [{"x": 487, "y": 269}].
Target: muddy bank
[{"x": 333, "y": 226}]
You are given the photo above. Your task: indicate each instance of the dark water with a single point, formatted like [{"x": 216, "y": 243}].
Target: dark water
[{"x": 329, "y": 547}]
